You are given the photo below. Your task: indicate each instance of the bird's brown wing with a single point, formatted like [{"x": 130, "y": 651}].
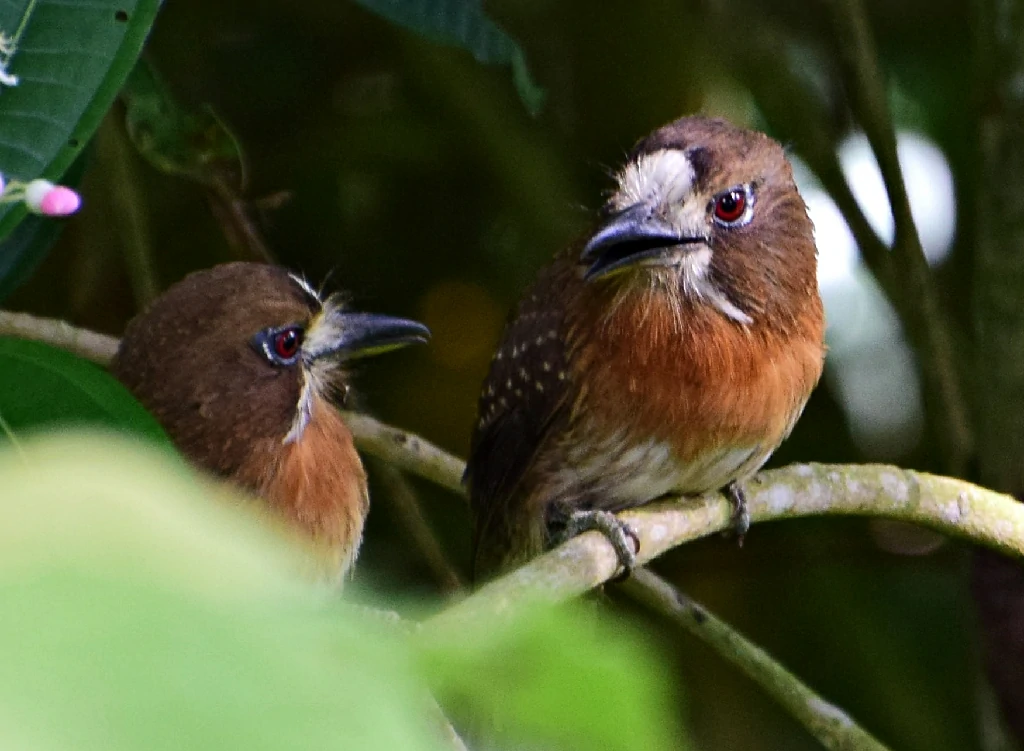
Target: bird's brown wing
[{"x": 523, "y": 396}]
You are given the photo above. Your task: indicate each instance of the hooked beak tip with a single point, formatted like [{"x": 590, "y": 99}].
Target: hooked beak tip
[{"x": 627, "y": 238}]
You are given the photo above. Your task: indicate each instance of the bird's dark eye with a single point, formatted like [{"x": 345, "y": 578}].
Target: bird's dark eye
[
  {"x": 279, "y": 345},
  {"x": 731, "y": 207},
  {"x": 286, "y": 343}
]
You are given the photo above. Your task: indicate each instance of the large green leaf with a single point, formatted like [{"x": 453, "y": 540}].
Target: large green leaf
[
  {"x": 138, "y": 612},
  {"x": 71, "y": 60},
  {"x": 43, "y": 386},
  {"x": 464, "y": 23},
  {"x": 557, "y": 679}
]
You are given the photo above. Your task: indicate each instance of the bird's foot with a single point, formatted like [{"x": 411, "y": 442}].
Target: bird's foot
[
  {"x": 620, "y": 535},
  {"x": 739, "y": 523}
]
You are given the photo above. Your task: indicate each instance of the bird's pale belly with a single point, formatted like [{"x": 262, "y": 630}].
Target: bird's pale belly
[{"x": 619, "y": 472}]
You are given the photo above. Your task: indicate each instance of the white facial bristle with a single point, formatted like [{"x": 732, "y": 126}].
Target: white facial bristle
[{"x": 306, "y": 286}]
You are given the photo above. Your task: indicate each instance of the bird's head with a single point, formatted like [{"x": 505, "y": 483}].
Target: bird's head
[
  {"x": 710, "y": 214},
  {"x": 243, "y": 352}
]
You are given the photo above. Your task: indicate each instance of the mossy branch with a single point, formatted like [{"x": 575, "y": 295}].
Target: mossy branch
[{"x": 951, "y": 506}]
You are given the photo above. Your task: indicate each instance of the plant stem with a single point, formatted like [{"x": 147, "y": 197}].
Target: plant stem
[
  {"x": 925, "y": 319},
  {"x": 127, "y": 203},
  {"x": 407, "y": 509}
]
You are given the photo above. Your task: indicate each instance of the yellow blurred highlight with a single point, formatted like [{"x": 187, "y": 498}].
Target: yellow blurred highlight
[{"x": 465, "y": 323}]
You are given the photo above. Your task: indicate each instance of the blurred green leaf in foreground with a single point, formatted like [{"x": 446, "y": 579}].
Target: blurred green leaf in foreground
[{"x": 138, "y": 609}]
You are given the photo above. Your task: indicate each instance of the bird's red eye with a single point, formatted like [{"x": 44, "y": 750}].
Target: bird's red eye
[
  {"x": 731, "y": 206},
  {"x": 287, "y": 341}
]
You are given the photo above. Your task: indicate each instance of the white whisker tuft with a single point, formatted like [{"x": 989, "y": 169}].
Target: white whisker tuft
[{"x": 319, "y": 374}]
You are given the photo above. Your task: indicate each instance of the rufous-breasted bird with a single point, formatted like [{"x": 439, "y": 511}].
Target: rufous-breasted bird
[
  {"x": 670, "y": 351},
  {"x": 244, "y": 365}
]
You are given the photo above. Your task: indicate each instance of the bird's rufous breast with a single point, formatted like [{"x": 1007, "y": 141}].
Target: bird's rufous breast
[{"x": 316, "y": 481}]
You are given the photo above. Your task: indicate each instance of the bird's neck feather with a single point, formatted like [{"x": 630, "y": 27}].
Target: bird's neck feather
[{"x": 317, "y": 482}]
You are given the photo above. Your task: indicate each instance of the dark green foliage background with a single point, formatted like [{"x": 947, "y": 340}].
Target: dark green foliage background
[{"x": 419, "y": 181}]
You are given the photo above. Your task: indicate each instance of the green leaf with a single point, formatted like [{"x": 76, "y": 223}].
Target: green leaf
[
  {"x": 463, "y": 23},
  {"x": 25, "y": 248},
  {"x": 196, "y": 145},
  {"x": 139, "y": 612},
  {"x": 557, "y": 676},
  {"x": 43, "y": 386},
  {"x": 71, "y": 60}
]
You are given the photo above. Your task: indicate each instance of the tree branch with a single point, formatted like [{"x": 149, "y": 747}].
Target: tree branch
[
  {"x": 406, "y": 451},
  {"x": 99, "y": 348},
  {"x": 951, "y": 506},
  {"x": 828, "y": 723}
]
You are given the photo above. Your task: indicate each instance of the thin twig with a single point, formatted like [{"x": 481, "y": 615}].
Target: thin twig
[
  {"x": 234, "y": 215},
  {"x": 99, "y": 348},
  {"x": 798, "y": 113},
  {"x": 403, "y": 501},
  {"x": 828, "y": 723},
  {"x": 925, "y": 317},
  {"x": 406, "y": 451}
]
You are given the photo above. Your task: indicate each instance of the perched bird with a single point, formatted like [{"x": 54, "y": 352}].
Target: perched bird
[
  {"x": 244, "y": 365},
  {"x": 669, "y": 351}
]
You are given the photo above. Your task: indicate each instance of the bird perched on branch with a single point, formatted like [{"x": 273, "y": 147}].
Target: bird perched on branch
[
  {"x": 671, "y": 350},
  {"x": 244, "y": 365}
]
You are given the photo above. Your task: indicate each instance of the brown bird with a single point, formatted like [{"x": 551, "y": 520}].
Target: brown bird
[
  {"x": 669, "y": 351},
  {"x": 244, "y": 365}
]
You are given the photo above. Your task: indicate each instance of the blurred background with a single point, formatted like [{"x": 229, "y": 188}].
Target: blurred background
[{"x": 399, "y": 167}]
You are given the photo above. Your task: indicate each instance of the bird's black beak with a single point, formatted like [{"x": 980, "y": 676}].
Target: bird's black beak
[
  {"x": 629, "y": 237},
  {"x": 348, "y": 335}
]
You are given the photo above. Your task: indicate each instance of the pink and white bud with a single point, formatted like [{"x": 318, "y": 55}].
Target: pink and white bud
[{"x": 43, "y": 197}]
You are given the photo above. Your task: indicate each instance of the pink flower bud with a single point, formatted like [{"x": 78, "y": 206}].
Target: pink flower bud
[
  {"x": 61, "y": 201},
  {"x": 43, "y": 197}
]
